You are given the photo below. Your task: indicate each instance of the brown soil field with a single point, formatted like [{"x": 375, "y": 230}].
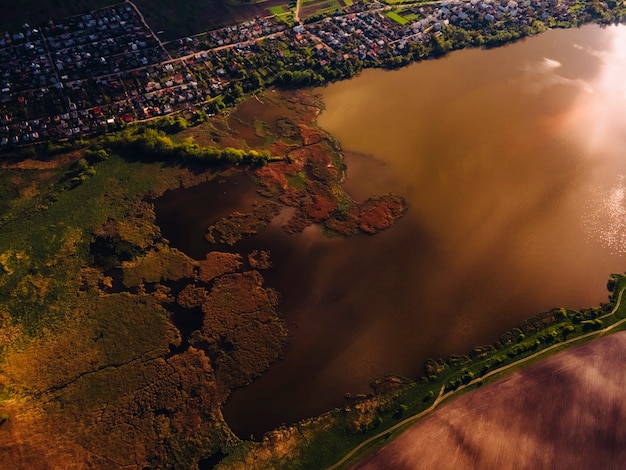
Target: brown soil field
[
  {"x": 564, "y": 412},
  {"x": 175, "y": 19},
  {"x": 318, "y": 7},
  {"x": 189, "y": 17},
  {"x": 14, "y": 14}
]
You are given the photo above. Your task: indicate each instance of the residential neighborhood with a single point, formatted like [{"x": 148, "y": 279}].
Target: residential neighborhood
[{"x": 82, "y": 75}]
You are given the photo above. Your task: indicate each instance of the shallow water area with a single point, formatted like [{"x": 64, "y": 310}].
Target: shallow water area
[{"x": 512, "y": 161}]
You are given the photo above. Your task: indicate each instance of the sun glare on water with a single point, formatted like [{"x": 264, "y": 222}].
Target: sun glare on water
[
  {"x": 600, "y": 125},
  {"x": 605, "y": 217}
]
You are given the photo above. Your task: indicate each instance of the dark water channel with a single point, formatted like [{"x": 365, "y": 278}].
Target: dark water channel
[{"x": 513, "y": 163}]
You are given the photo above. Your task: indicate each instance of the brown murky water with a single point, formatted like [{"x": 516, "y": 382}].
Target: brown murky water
[{"x": 513, "y": 163}]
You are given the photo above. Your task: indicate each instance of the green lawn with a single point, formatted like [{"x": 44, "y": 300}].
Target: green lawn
[
  {"x": 396, "y": 17},
  {"x": 277, "y": 10}
]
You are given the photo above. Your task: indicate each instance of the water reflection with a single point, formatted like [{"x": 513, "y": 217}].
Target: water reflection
[
  {"x": 545, "y": 74},
  {"x": 605, "y": 217},
  {"x": 598, "y": 124},
  {"x": 510, "y": 161},
  {"x": 491, "y": 149},
  {"x": 599, "y": 120}
]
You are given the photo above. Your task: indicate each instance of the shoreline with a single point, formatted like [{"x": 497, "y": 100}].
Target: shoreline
[{"x": 398, "y": 405}]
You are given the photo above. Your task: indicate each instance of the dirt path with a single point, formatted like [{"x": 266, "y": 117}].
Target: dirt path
[
  {"x": 296, "y": 12},
  {"x": 566, "y": 411},
  {"x": 143, "y": 20},
  {"x": 438, "y": 400}
]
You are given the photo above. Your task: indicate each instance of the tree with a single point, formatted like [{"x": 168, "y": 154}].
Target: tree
[
  {"x": 94, "y": 156},
  {"x": 232, "y": 155},
  {"x": 256, "y": 80}
]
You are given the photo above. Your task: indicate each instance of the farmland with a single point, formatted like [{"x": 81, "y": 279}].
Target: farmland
[
  {"x": 316, "y": 8},
  {"x": 15, "y": 14},
  {"x": 402, "y": 15},
  {"x": 190, "y": 17},
  {"x": 564, "y": 412}
]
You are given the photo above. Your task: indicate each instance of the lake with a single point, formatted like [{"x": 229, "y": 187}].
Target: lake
[{"x": 512, "y": 161}]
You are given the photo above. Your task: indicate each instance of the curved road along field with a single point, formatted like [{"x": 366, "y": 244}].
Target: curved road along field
[{"x": 565, "y": 412}]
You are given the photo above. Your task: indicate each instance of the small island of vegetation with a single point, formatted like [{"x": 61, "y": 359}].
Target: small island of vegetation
[{"x": 118, "y": 350}]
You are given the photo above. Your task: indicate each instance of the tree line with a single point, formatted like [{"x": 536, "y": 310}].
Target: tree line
[{"x": 156, "y": 144}]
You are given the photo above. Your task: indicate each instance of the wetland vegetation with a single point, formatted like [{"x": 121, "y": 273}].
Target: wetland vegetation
[
  {"x": 113, "y": 254},
  {"x": 104, "y": 318},
  {"x": 117, "y": 349}
]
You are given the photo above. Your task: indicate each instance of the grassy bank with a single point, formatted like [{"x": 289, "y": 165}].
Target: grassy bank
[{"x": 343, "y": 436}]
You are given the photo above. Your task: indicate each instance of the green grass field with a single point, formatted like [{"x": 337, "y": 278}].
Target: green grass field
[
  {"x": 47, "y": 234},
  {"x": 410, "y": 17},
  {"x": 278, "y": 10},
  {"x": 283, "y": 13},
  {"x": 396, "y": 17}
]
